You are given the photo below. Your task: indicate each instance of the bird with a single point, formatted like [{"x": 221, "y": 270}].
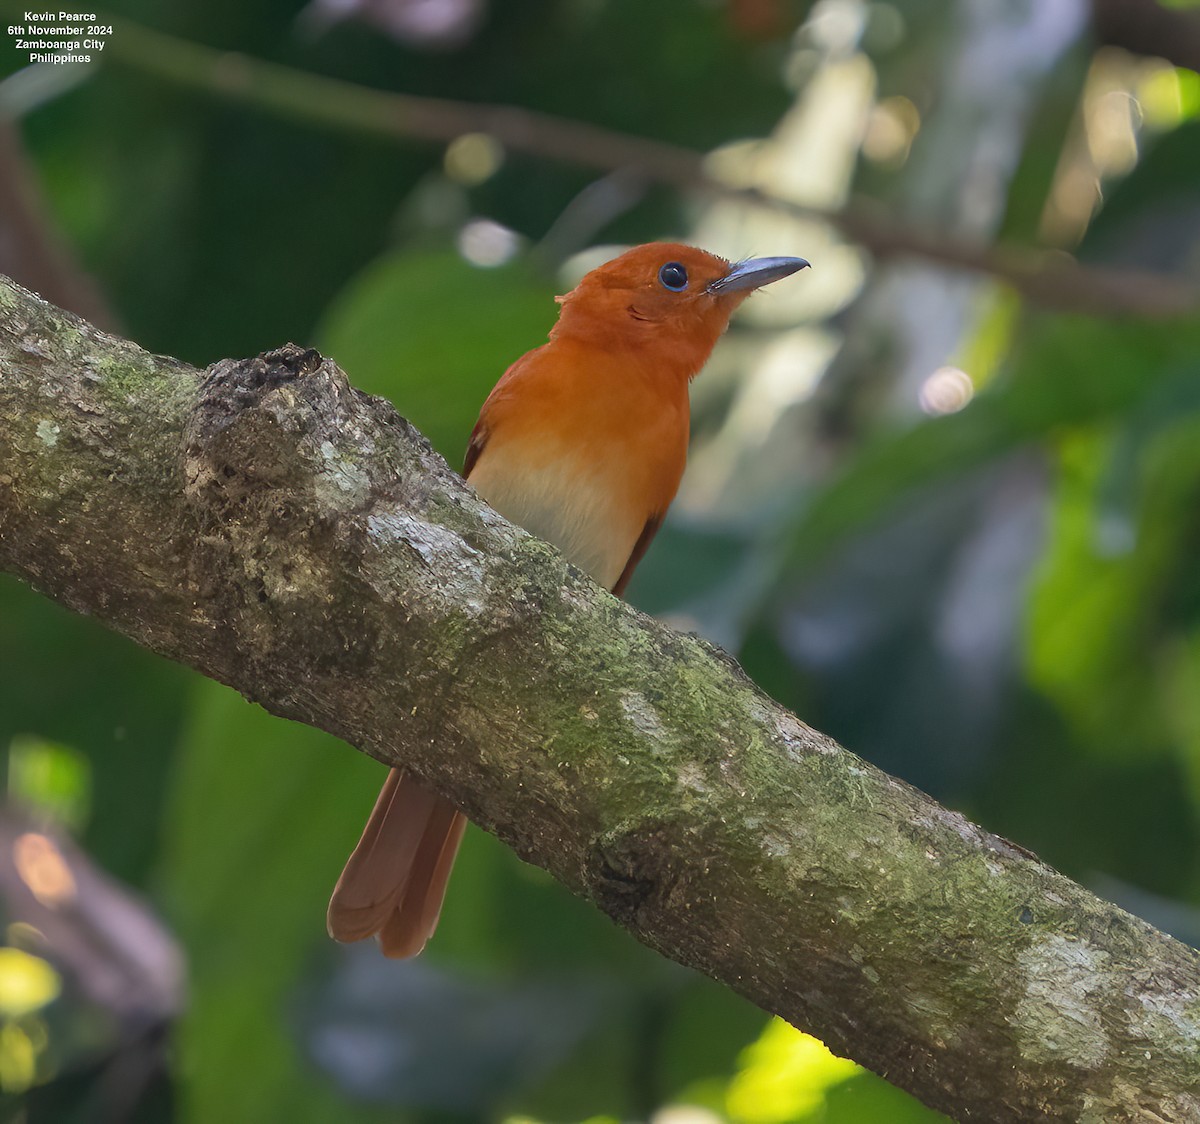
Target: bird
[{"x": 582, "y": 442}]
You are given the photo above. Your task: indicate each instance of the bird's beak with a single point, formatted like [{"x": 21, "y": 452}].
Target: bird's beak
[{"x": 756, "y": 273}]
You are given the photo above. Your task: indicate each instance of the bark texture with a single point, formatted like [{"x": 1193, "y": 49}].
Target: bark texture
[{"x": 281, "y": 532}]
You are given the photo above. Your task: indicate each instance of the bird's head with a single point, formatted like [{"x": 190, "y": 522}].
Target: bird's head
[{"x": 665, "y": 297}]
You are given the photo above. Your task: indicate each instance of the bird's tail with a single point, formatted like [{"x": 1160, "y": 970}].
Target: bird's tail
[{"x": 394, "y": 882}]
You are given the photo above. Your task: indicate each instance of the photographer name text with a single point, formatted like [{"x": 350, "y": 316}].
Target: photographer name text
[{"x": 60, "y": 37}]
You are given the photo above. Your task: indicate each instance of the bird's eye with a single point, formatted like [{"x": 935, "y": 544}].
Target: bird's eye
[{"x": 673, "y": 276}]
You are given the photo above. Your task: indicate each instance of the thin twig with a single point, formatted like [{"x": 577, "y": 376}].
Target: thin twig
[
  {"x": 1049, "y": 278},
  {"x": 31, "y": 249}
]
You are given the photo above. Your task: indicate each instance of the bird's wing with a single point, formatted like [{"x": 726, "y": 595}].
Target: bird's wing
[
  {"x": 479, "y": 438},
  {"x": 639, "y": 548}
]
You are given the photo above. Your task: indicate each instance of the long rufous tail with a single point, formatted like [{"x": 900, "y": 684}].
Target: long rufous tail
[{"x": 394, "y": 882}]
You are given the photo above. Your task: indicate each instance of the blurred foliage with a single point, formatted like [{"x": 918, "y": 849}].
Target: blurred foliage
[{"x": 954, "y": 530}]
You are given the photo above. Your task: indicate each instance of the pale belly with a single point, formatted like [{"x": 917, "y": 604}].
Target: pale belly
[{"x": 582, "y": 507}]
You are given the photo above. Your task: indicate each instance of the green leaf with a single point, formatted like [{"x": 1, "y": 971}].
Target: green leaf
[
  {"x": 433, "y": 333},
  {"x": 1117, "y": 593},
  {"x": 1066, "y": 371},
  {"x": 259, "y": 817}
]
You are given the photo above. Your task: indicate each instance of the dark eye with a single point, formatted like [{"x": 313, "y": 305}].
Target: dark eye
[{"x": 673, "y": 276}]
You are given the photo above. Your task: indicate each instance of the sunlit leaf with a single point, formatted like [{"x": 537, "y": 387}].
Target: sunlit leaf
[
  {"x": 52, "y": 779},
  {"x": 27, "y": 983},
  {"x": 788, "y": 1077}
]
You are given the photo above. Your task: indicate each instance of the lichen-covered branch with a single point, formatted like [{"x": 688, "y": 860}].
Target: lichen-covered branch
[{"x": 269, "y": 525}]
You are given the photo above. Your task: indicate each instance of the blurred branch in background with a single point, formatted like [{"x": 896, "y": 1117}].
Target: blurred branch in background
[
  {"x": 310, "y": 549},
  {"x": 1147, "y": 27},
  {"x": 30, "y": 248},
  {"x": 1050, "y": 279},
  {"x": 74, "y": 932}
]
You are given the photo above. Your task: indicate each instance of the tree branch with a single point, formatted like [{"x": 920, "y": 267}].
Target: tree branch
[
  {"x": 1145, "y": 27},
  {"x": 281, "y": 532},
  {"x": 30, "y": 247},
  {"x": 1052, "y": 279}
]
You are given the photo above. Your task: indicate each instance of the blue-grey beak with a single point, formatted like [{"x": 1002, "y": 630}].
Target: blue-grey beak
[{"x": 756, "y": 273}]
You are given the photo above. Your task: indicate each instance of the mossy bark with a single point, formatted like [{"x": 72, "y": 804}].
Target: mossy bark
[{"x": 271, "y": 526}]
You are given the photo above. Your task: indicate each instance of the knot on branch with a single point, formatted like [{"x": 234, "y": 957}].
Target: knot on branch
[
  {"x": 631, "y": 866},
  {"x": 274, "y": 455},
  {"x": 289, "y": 420},
  {"x": 258, "y": 424},
  {"x": 307, "y": 498}
]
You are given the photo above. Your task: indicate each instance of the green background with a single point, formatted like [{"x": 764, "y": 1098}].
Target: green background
[{"x": 999, "y": 604}]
